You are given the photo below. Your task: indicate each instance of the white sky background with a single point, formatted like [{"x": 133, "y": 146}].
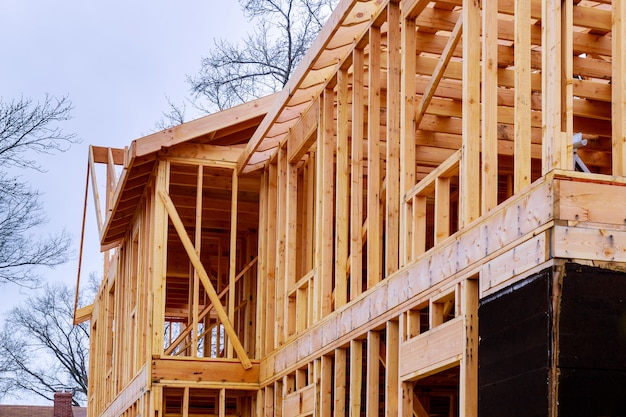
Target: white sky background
[{"x": 117, "y": 60}]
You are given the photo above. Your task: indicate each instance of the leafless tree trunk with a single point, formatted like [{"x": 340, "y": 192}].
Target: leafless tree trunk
[
  {"x": 28, "y": 128},
  {"x": 40, "y": 348},
  {"x": 233, "y": 73}
]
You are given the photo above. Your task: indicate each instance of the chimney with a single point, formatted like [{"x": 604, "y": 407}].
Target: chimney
[{"x": 63, "y": 404}]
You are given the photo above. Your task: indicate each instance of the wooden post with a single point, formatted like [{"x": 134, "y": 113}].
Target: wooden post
[
  {"x": 356, "y": 379},
  {"x": 341, "y": 355},
  {"x": 195, "y": 292},
  {"x": 567, "y": 82},
  {"x": 373, "y": 358},
  {"x": 261, "y": 327},
  {"x": 407, "y": 131},
  {"x": 326, "y": 207},
  {"x": 325, "y": 386},
  {"x": 356, "y": 189},
  {"x": 159, "y": 258},
  {"x": 392, "y": 177},
  {"x": 271, "y": 339},
  {"x": 232, "y": 256},
  {"x": 342, "y": 191},
  {"x": 392, "y": 341},
  {"x": 406, "y": 403},
  {"x": 470, "y": 174},
  {"x": 373, "y": 163},
  {"x": 291, "y": 218},
  {"x": 281, "y": 233},
  {"x": 618, "y": 88},
  {"x": 222, "y": 399},
  {"x": 551, "y": 85},
  {"x": 522, "y": 96},
  {"x": 468, "y": 390},
  {"x": 489, "y": 120},
  {"x": 442, "y": 209}
]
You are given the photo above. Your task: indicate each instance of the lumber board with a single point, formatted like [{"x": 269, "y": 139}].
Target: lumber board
[
  {"x": 588, "y": 202},
  {"x": 356, "y": 379},
  {"x": 437, "y": 349},
  {"x": 514, "y": 262},
  {"x": 189, "y": 371},
  {"x": 489, "y": 106},
  {"x": 340, "y": 382},
  {"x": 468, "y": 389},
  {"x": 618, "y": 89},
  {"x": 342, "y": 210},
  {"x": 372, "y": 373},
  {"x": 591, "y": 244},
  {"x": 392, "y": 362},
  {"x": 356, "y": 177},
  {"x": 392, "y": 135},
  {"x": 374, "y": 268},
  {"x": 469, "y": 206},
  {"x": 522, "y": 95},
  {"x": 407, "y": 129},
  {"x": 551, "y": 87}
]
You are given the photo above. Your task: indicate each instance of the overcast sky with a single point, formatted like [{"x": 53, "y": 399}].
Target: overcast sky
[{"x": 116, "y": 61}]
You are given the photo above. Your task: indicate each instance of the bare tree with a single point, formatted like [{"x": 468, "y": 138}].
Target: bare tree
[
  {"x": 41, "y": 349},
  {"x": 28, "y": 128},
  {"x": 262, "y": 63}
]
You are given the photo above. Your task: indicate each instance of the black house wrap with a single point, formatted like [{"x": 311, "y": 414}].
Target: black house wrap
[{"x": 555, "y": 344}]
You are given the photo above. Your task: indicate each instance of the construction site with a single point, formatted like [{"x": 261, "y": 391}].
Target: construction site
[{"x": 429, "y": 220}]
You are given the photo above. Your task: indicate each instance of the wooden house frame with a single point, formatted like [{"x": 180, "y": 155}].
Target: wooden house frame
[{"x": 331, "y": 249}]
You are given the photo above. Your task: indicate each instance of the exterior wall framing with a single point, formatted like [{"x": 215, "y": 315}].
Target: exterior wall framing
[{"x": 324, "y": 251}]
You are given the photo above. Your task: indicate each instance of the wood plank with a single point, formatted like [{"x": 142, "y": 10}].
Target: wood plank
[
  {"x": 325, "y": 197},
  {"x": 356, "y": 176},
  {"x": 489, "y": 107},
  {"x": 413, "y": 8},
  {"x": 372, "y": 374},
  {"x": 392, "y": 356},
  {"x": 325, "y": 387},
  {"x": 469, "y": 207},
  {"x": 406, "y": 405},
  {"x": 291, "y": 249},
  {"x": 374, "y": 268},
  {"x": 392, "y": 169},
  {"x": 551, "y": 86},
  {"x": 356, "y": 379},
  {"x": 232, "y": 259},
  {"x": 187, "y": 370},
  {"x": 521, "y": 177},
  {"x": 442, "y": 209},
  {"x": 282, "y": 327},
  {"x": 159, "y": 257},
  {"x": 271, "y": 331},
  {"x": 618, "y": 89},
  {"x": 340, "y": 382},
  {"x": 302, "y": 136},
  {"x": 567, "y": 86},
  {"x": 521, "y": 258},
  {"x": 589, "y": 243},
  {"x": 342, "y": 210},
  {"x": 468, "y": 389},
  {"x": 438, "y": 348},
  {"x": 407, "y": 128},
  {"x": 583, "y": 202}
]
